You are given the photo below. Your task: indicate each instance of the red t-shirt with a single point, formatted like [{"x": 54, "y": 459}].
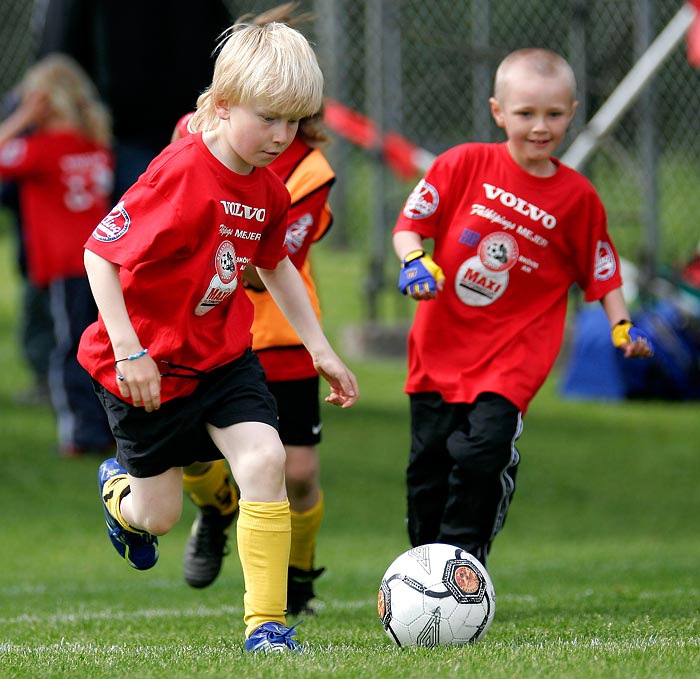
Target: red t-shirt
[
  {"x": 510, "y": 245},
  {"x": 64, "y": 183},
  {"x": 182, "y": 236},
  {"x": 308, "y": 178}
]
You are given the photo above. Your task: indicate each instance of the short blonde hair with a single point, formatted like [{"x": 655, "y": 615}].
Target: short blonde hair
[
  {"x": 72, "y": 95},
  {"x": 271, "y": 65},
  {"x": 542, "y": 62}
]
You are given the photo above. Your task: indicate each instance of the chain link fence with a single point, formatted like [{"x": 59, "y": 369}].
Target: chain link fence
[
  {"x": 18, "y": 35},
  {"x": 425, "y": 70}
]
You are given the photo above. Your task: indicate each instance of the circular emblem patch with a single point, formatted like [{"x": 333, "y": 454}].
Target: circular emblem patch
[
  {"x": 477, "y": 285},
  {"x": 605, "y": 266},
  {"x": 114, "y": 225},
  {"x": 498, "y": 251},
  {"x": 226, "y": 262},
  {"x": 422, "y": 202}
]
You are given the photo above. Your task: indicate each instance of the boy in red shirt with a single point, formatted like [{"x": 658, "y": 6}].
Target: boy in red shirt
[
  {"x": 171, "y": 352},
  {"x": 289, "y": 370},
  {"x": 292, "y": 379},
  {"x": 513, "y": 229}
]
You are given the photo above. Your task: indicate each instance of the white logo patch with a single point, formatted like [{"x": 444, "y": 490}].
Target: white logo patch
[
  {"x": 226, "y": 261},
  {"x": 114, "y": 225},
  {"x": 422, "y": 202},
  {"x": 477, "y": 285},
  {"x": 224, "y": 282},
  {"x": 297, "y": 233},
  {"x": 604, "y": 266}
]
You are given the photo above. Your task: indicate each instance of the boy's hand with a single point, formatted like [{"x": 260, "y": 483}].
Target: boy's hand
[
  {"x": 139, "y": 380},
  {"x": 420, "y": 277},
  {"x": 343, "y": 383},
  {"x": 633, "y": 341}
]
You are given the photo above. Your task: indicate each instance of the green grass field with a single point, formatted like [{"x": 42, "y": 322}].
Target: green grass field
[{"x": 596, "y": 571}]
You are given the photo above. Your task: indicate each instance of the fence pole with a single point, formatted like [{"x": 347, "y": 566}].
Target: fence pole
[
  {"x": 649, "y": 154},
  {"x": 374, "y": 82}
]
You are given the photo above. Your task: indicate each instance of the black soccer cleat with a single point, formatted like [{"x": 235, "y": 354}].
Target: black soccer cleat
[
  {"x": 300, "y": 590},
  {"x": 206, "y": 547}
]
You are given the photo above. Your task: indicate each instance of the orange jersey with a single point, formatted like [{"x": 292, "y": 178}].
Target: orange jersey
[{"x": 308, "y": 177}]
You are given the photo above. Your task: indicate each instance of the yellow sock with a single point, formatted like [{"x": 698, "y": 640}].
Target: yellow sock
[
  {"x": 214, "y": 488},
  {"x": 263, "y": 535},
  {"x": 305, "y": 527},
  {"x": 114, "y": 491}
]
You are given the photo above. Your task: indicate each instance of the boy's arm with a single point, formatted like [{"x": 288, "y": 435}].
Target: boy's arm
[
  {"x": 633, "y": 341},
  {"x": 420, "y": 277},
  {"x": 287, "y": 289},
  {"x": 406, "y": 242},
  {"x": 136, "y": 373}
]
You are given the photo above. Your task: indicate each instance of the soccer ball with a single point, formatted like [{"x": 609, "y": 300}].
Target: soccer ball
[{"x": 436, "y": 595}]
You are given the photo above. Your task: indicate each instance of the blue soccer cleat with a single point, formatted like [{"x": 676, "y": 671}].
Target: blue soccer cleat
[
  {"x": 273, "y": 637},
  {"x": 140, "y": 549}
]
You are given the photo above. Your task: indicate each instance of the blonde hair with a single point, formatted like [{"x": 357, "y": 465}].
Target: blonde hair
[
  {"x": 72, "y": 95},
  {"x": 543, "y": 62},
  {"x": 311, "y": 128},
  {"x": 270, "y": 65}
]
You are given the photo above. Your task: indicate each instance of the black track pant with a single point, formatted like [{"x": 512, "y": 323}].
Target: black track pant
[{"x": 461, "y": 471}]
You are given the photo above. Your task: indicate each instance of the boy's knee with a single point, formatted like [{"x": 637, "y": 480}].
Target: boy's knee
[
  {"x": 487, "y": 453},
  {"x": 161, "y": 523},
  {"x": 268, "y": 459},
  {"x": 301, "y": 467}
]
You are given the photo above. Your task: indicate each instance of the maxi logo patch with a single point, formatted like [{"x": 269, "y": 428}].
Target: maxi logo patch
[
  {"x": 224, "y": 282},
  {"x": 477, "y": 285}
]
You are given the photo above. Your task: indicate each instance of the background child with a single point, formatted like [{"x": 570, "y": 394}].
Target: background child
[
  {"x": 56, "y": 146},
  {"x": 513, "y": 229},
  {"x": 289, "y": 371},
  {"x": 171, "y": 354}
]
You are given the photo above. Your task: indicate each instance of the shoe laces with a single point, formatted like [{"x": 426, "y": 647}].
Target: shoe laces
[{"x": 284, "y": 635}]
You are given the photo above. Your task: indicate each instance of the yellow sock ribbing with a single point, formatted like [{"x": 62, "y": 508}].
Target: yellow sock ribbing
[
  {"x": 263, "y": 535},
  {"x": 214, "y": 488},
  {"x": 305, "y": 527}
]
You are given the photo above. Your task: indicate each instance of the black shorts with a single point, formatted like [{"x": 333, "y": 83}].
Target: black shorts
[
  {"x": 299, "y": 411},
  {"x": 175, "y": 435}
]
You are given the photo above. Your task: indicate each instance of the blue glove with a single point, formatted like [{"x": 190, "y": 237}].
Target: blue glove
[
  {"x": 419, "y": 273},
  {"x": 626, "y": 333}
]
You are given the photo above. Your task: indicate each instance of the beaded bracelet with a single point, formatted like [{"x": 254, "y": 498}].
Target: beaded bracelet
[{"x": 132, "y": 357}]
